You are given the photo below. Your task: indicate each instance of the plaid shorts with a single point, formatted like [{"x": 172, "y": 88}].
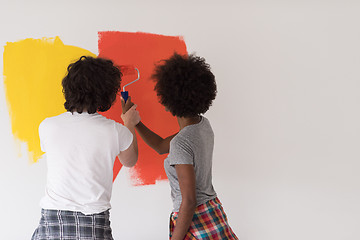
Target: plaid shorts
[
  {"x": 209, "y": 222},
  {"x": 69, "y": 225}
]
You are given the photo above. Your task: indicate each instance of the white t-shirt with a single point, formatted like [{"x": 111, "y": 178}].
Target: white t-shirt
[{"x": 80, "y": 153}]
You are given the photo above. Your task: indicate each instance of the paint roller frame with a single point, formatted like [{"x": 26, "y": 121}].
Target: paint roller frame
[{"x": 125, "y": 94}]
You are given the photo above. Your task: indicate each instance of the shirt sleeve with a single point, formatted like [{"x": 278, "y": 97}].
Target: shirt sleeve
[
  {"x": 125, "y": 137},
  {"x": 181, "y": 152}
]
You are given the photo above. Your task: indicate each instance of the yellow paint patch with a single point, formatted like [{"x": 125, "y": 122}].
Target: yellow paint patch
[{"x": 33, "y": 71}]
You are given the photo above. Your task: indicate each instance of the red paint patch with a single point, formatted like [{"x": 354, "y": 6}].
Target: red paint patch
[{"x": 143, "y": 51}]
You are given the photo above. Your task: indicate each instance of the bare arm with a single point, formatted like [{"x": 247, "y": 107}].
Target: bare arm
[
  {"x": 186, "y": 177},
  {"x": 131, "y": 117},
  {"x": 129, "y": 157},
  {"x": 159, "y": 144}
]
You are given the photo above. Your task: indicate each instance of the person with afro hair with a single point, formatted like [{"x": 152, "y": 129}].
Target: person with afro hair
[
  {"x": 81, "y": 146},
  {"x": 186, "y": 87}
]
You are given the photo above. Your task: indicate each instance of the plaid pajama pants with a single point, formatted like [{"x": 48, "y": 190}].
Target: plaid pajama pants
[
  {"x": 209, "y": 222},
  {"x": 69, "y": 225}
]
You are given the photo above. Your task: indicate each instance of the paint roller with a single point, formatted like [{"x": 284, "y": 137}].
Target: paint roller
[{"x": 128, "y": 70}]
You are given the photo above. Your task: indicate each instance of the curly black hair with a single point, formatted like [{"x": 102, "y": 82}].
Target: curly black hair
[
  {"x": 185, "y": 85},
  {"x": 91, "y": 84}
]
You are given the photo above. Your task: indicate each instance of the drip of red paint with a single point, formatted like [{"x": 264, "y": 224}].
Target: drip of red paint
[{"x": 143, "y": 51}]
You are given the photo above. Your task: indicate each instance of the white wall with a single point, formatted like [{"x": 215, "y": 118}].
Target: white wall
[{"x": 286, "y": 118}]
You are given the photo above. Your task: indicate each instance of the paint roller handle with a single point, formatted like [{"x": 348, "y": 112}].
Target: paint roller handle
[
  {"x": 125, "y": 95},
  {"x": 126, "y": 105}
]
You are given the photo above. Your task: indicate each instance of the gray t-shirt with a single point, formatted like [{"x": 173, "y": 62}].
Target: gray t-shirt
[{"x": 194, "y": 145}]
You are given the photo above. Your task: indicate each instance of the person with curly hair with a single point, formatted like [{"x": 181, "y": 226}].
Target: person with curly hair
[
  {"x": 186, "y": 87},
  {"x": 80, "y": 146}
]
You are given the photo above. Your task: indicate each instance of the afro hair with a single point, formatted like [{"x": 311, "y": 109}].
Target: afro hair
[
  {"x": 185, "y": 85},
  {"x": 91, "y": 84}
]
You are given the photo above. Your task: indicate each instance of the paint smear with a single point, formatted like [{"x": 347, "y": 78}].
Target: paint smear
[
  {"x": 143, "y": 51},
  {"x": 33, "y": 70}
]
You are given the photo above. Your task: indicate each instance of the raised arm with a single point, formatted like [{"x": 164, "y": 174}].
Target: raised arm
[
  {"x": 129, "y": 157},
  {"x": 159, "y": 144}
]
